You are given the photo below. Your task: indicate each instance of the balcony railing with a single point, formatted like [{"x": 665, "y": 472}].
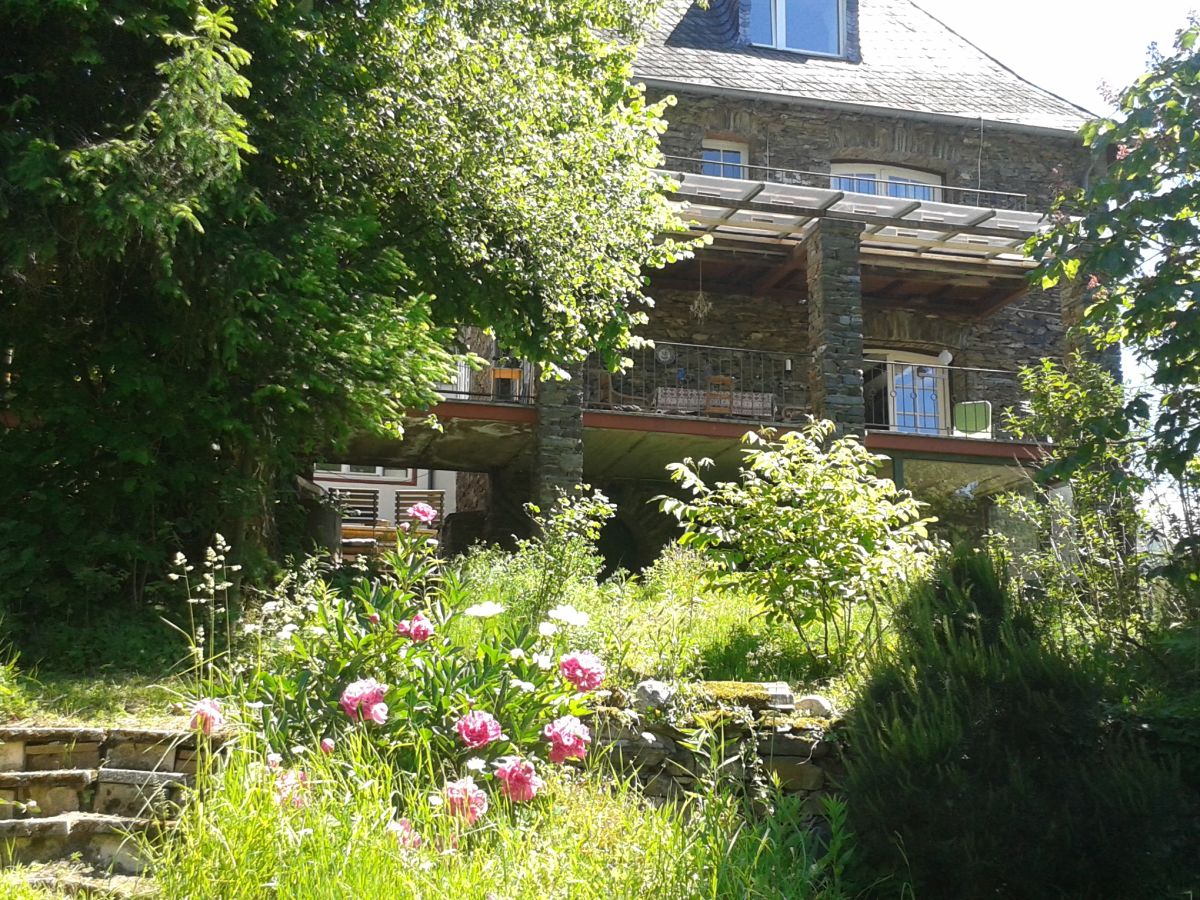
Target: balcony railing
[
  {"x": 946, "y": 401},
  {"x": 939, "y": 193},
  {"x": 697, "y": 381},
  {"x": 504, "y": 380}
]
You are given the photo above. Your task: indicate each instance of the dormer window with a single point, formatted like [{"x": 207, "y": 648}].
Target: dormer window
[
  {"x": 885, "y": 181},
  {"x": 816, "y": 27}
]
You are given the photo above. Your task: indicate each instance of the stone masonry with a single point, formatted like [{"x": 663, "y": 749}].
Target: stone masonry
[
  {"x": 558, "y": 451},
  {"x": 835, "y": 317}
]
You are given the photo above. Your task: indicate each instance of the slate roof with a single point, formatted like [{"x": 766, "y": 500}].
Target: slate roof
[{"x": 899, "y": 57}]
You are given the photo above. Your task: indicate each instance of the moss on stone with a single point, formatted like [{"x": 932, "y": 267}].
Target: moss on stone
[{"x": 738, "y": 693}]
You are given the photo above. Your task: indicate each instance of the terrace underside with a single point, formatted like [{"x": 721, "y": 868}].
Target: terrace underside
[{"x": 635, "y": 446}]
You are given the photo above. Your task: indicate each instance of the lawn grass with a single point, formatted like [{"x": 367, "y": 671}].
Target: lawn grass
[{"x": 104, "y": 700}]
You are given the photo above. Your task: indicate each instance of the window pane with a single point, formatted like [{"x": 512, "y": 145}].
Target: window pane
[
  {"x": 917, "y": 395},
  {"x": 732, "y": 167},
  {"x": 362, "y": 470},
  {"x": 327, "y": 467},
  {"x": 909, "y": 189},
  {"x": 712, "y": 162},
  {"x": 813, "y": 25},
  {"x": 761, "y": 29},
  {"x": 861, "y": 183}
]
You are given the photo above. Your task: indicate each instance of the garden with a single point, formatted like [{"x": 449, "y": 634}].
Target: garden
[
  {"x": 238, "y": 239},
  {"x": 416, "y": 726}
]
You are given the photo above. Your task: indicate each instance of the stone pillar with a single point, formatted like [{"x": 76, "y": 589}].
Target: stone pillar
[
  {"x": 558, "y": 448},
  {"x": 835, "y": 324}
]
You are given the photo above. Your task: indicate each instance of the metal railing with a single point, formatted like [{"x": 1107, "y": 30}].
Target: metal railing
[
  {"x": 504, "y": 380},
  {"x": 694, "y": 380},
  {"x": 939, "y": 193},
  {"x": 947, "y": 401}
]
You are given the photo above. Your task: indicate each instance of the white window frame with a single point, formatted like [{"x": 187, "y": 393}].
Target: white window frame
[
  {"x": 727, "y": 146},
  {"x": 347, "y": 471},
  {"x": 897, "y": 361},
  {"x": 881, "y": 175},
  {"x": 779, "y": 30}
]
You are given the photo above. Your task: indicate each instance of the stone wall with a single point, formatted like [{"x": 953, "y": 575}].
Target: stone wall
[
  {"x": 792, "y": 746},
  {"x": 787, "y": 136}
]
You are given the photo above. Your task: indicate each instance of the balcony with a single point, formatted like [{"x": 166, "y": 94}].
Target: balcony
[
  {"x": 694, "y": 381},
  {"x": 938, "y": 401},
  {"x": 937, "y": 249}
]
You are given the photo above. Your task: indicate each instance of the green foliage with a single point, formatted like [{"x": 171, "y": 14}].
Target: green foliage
[
  {"x": 582, "y": 838},
  {"x": 1135, "y": 235},
  {"x": 1089, "y": 553},
  {"x": 233, "y": 238},
  {"x": 984, "y": 763},
  {"x": 810, "y": 528}
]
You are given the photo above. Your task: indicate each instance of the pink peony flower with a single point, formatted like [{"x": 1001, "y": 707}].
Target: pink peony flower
[
  {"x": 326, "y": 745},
  {"x": 361, "y": 698},
  {"x": 418, "y": 628},
  {"x": 568, "y": 739},
  {"x": 518, "y": 780},
  {"x": 291, "y": 787},
  {"x": 207, "y": 716},
  {"x": 478, "y": 728},
  {"x": 582, "y": 669},
  {"x": 423, "y": 513},
  {"x": 464, "y": 798},
  {"x": 406, "y": 835}
]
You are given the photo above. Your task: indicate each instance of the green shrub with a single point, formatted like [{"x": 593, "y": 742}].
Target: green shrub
[
  {"x": 985, "y": 763},
  {"x": 811, "y": 529}
]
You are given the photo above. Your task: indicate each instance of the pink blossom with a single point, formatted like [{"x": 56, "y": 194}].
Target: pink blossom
[
  {"x": 423, "y": 513},
  {"x": 1093, "y": 282},
  {"x": 360, "y": 699},
  {"x": 377, "y": 713},
  {"x": 274, "y": 760},
  {"x": 291, "y": 787},
  {"x": 406, "y": 835},
  {"x": 568, "y": 739},
  {"x": 326, "y": 745},
  {"x": 478, "y": 728},
  {"x": 518, "y": 780},
  {"x": 1123, "y": 151},
  {"x": 464, "y": 798},
  {"x": 373, "y": 618},
  {"x": 582, "y": 669},
  {"x": 418, "y": 628},
  {"x": 207, "y": 716}
]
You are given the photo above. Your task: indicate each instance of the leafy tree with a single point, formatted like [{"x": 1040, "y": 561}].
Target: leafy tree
[
  {"x": 233, "y": 237},
  {"x": 811, "y": 528},
  {"x": 1134, "y": 235}
]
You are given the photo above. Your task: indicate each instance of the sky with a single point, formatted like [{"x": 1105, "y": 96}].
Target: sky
[{"x": 1068, "y": 46}]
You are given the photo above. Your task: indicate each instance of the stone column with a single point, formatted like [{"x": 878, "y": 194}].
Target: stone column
[
  {"x": 835, "y": 323},
  {"x": 558, "y": 448}
]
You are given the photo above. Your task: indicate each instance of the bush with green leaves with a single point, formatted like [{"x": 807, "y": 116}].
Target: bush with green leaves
[
  {"x": 984, "y": 763},
  {"x": 809, "y": 527}
]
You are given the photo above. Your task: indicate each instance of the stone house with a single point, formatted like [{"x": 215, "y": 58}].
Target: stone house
[{"x": 868, "y": 178}]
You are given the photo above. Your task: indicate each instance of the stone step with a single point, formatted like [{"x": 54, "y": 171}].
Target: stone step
[
  {"x": 25, "y": 748},
  {"x": 102, "y": 840},
  {"x": 127, "y": 792}
]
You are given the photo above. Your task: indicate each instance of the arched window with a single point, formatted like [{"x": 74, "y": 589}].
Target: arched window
[{"x": 885, "y": 180}]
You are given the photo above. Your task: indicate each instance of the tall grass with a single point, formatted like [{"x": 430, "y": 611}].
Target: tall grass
[{"x": 583, "y": 837}]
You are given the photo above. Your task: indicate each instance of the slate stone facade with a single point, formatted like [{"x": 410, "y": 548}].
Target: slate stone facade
[{"x": 782, "y": 137}]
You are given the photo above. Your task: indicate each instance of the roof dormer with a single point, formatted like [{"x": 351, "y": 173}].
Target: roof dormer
[{"x": 812, "y": 27}]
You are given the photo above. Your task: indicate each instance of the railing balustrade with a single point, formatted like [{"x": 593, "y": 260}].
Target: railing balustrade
[
  {"x": 693, "y": 380},
  {"x": 939, "y": 193},
  {"x": 504, "y": 380},
  {"x": 946, "y": 401}
]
